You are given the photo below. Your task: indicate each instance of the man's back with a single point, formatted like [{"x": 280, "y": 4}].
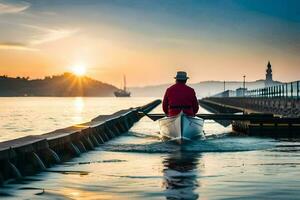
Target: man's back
[{"x": 180, "y": 97}]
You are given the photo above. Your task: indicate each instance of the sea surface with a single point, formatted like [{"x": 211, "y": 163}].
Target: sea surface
[{"x": 138, "y": 165}]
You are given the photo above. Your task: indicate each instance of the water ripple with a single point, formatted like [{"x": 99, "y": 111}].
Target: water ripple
[{"x": 223, "y": 144}]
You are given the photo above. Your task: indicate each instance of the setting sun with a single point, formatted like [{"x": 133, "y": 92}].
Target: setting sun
[{"x": 79, "y": 70}]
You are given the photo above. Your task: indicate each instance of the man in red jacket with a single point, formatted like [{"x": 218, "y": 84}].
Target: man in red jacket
[{"x": 180, "y": 97}]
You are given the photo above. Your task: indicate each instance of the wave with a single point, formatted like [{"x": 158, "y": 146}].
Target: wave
[{"x": 222, "y": 143}]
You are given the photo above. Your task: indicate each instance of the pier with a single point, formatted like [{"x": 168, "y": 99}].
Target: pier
[
  {"x": 281, "y": 101},
  {"x": 31, "y": 154}
]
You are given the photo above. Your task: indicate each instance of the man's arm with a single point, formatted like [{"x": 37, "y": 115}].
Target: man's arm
[
  {"x": 195, "y": 103},
  {"x": 165, "y": 103}
]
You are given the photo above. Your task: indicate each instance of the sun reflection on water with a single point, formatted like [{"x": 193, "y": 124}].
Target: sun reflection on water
[{"x": 78, "y": 105}]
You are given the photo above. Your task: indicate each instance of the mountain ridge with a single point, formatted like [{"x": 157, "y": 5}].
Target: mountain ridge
[{"x": 65, "y": 85}]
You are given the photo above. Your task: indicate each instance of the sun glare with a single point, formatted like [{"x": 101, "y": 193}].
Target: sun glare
[{"x": 79, "y": 70}]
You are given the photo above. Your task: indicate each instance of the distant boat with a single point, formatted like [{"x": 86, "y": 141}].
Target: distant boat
[{"x": 122, "y": 92}]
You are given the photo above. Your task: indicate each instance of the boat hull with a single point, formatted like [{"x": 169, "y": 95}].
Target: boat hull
[
  {"x": 122, "y": 93},
  {"x": 181, "y": 127}
]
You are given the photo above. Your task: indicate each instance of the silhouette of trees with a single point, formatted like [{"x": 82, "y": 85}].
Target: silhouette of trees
[{"x": 63, "y": 85}]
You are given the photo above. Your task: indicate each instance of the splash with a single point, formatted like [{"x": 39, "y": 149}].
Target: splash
[{"x": 211, "y": 144}]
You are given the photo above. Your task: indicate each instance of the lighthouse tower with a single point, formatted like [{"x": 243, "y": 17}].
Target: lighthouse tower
[{"x": 269, "y": 77}]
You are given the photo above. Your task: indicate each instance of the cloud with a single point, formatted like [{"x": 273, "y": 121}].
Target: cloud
[
  {"x": 16, "y": 46},
  {"x": 7, "y": 8},
  {"x": 52, "y": 35},
  {"x": 38, "y": 35},
  {"x": 44, "y": 34}
]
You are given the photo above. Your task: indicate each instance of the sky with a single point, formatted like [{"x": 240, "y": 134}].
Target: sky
[{"x": 149, "y": 40}]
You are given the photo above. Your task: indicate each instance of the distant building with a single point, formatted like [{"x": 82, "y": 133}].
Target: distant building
[
  {"x": 227, "y": 93},
  {"x": 240, "y": 92},
  {"x": 269, "y": 77}
]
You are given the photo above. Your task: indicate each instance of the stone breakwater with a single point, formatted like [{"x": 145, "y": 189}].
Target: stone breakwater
[{"x": 32, "y": 154}]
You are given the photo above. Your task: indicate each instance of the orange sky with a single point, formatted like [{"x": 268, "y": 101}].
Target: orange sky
[{"x": 40, "y": 40}]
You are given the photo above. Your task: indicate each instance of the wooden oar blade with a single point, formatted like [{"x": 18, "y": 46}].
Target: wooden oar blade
[
  {"x": 155, "y": 117},
  {"x": 224, "y": 123}
]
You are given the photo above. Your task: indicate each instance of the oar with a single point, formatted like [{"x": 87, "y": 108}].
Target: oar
[
  {"x": 153, "y": 117},
  {"x": 156, "y": 117}
]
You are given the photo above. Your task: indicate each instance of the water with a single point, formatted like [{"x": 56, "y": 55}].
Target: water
[
  {"x": 23, "y": 116},
  {"x": 138, "y": 165}
]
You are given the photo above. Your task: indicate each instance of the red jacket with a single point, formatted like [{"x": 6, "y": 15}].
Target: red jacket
[{"x": 180, "y": 97}]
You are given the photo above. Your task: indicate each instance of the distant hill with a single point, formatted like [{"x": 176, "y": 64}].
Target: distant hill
[
  {"x": 203, "y": 89},
  {"x": 65, "y": 85}
]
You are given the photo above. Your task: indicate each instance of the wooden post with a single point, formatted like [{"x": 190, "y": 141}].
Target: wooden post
[
  {"x": 279, "y": 90},
  {"x": 272, "y": 91},
  {"x": 297, "y": 89},
  {"x": 286, "y": 90},
  {"x": 265, "y": 92},
  {"x": 260, "y": 92},
  {"x": 292, "y": 89}
]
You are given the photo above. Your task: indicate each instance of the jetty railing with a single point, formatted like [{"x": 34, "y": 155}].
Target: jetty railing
[
  {"x": 285, "y": 90},
  {"x": 279, "y": 99}
]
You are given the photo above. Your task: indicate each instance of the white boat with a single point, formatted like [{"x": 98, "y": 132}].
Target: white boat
[{"x": 181, "y": 127}]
